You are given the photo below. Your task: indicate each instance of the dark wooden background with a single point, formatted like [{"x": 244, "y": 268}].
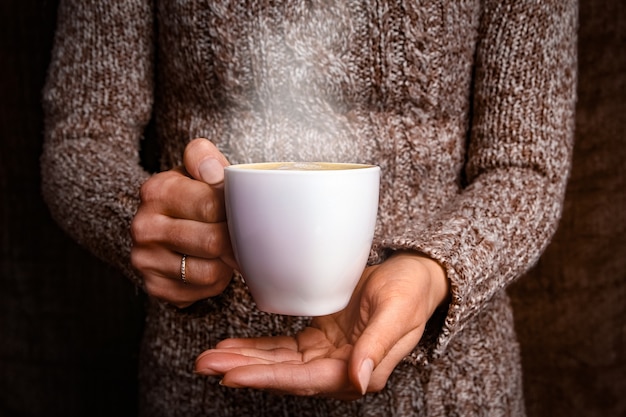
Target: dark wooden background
[{"x": 70, "y": 326}]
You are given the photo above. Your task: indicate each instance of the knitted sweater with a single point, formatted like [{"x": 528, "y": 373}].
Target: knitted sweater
[{"x": 467, "y": 107}]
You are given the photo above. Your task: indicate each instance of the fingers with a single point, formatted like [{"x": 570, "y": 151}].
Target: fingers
[
  {"x": 183, "y": 295},
  {"x": 378, "y": 351},
  {"x": 173, "y": 194},
  {"x": 203, "y": 161},
  {"x": 267, "y": 343},
  {"x": 161, "y": 270},
  {"x": 280, "y": 369},
  {"x": 304, "y": 365},
  {"x": 160, "y": 263},
  {"x": 325, "y": 377},
  {"x": 220, "y": 361},
  {"x": 394, "y": 289},
  {"x": 266, "y": 349},
  {"x": 233, "y": 353},
  {"x": 206, "y": 240},
  {"x": 182, "y": 214},
  {"x": 343, "y": 355},
  {"x": 151, "y": 233}
]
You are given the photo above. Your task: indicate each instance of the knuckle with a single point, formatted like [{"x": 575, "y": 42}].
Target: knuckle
[
  {"x": 137, "y": 259},
  {"x": 210, "y": 244},
  {"x": 143, "y": 228},
  {"x": 216, "y": 274},
  {"x": 147, "y": 228},
  {"x": 215, "y": 277},
  {"x": 195, "y": 144},
  {"x": 220, "y": 284},
  {"x": 156, "y": 187},
  {"x": 137, "y": 227},
  {"x": 213, "y": 242},
  {"x": 149, "y": 188},
  {"x": 209, "y": 209},
  {"x": 153, "y": 289}
]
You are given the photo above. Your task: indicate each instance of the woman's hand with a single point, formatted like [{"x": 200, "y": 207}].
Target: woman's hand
[
  {"x": 346, "y": 354},
  {"x": 182, "y": 212}
]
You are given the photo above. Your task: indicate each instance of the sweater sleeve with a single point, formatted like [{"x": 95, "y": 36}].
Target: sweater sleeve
[
  {"x": 518, "y": 160},
  {"x": 97, "y": 101}
]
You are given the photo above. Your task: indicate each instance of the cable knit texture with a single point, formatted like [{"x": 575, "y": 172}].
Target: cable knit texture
[{"x": 467, "y": 107}]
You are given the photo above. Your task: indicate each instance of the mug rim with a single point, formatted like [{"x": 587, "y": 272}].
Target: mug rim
[{"x": 258, "y": 167}]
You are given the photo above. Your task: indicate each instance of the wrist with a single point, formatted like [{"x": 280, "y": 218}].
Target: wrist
[
  {"x": 439, "y": 285},
  {"x": 439, "y": 280}
]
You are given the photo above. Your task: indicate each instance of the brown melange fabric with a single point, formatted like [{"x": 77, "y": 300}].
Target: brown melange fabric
[{"x": 467, "y": 106}]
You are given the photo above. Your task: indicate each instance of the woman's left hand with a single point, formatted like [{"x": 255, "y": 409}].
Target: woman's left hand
[{"x": 346, "y": 354}]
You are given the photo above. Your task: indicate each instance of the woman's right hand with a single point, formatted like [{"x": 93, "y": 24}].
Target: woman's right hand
[{"x": 182, "y": 213}]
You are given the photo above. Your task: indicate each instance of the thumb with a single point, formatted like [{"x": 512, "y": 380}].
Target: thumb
[
  {"x": 204, "y": 162},
  {"x": 379, "y": 349},
  {"x": 364, "y": 374}
]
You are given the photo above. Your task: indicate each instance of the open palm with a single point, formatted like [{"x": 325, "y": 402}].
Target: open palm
[{"x": 346, "y": 354}]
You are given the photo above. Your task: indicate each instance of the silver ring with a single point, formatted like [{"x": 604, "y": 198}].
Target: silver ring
[{"x": 183, "y": 267}]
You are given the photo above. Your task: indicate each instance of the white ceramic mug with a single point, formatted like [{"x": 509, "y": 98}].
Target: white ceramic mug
[{"x": 301, "y": 232}]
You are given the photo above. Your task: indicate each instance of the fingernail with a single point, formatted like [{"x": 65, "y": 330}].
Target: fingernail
[
  {"x": 228, "y": 385},
  {"x": 206, "y": 372},
  {"x": 211, "y": 171},
  {"x": 365, "y": 373}
]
